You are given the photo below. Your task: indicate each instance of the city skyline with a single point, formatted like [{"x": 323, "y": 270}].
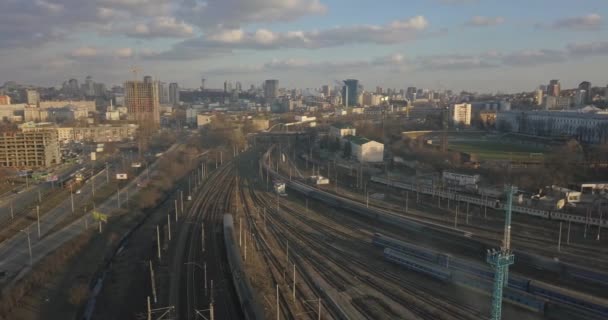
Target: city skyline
[{"x": 484, "y": 46}]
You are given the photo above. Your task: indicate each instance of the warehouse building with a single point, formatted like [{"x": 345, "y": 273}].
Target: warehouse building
[{"x": 365, "y": 150}]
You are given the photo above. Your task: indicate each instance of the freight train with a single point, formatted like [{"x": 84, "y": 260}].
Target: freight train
[{"x": 447, "y": 268}]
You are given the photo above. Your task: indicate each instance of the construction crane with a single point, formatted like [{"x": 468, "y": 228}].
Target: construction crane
[{"x": 501, "y": 259}]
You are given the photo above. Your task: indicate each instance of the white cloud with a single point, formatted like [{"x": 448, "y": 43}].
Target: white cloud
[
  {"x": 233, "y": 14},
  {"x": 84, "y": 52},
  {"x": 162, "y": 27},
  {"x": 50, "y": 7},
  {"x": 588, "y": 22},
  {"x": 481, "y": 21},
  {"x": 227, "y": 40},
  {"x": 123, "y": 52}
]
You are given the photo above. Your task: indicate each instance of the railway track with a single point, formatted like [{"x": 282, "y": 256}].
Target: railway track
[
  {"x": 313, "y": 249},
  {"x": 189, "y": 259}
]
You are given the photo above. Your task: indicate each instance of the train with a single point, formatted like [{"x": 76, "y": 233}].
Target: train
[
  {"x": 447, "y": 268},
  {"x": 554, "y": 215},
  {"x": 251, "y": 309}
]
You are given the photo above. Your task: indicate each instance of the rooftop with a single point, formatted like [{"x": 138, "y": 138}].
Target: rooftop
[
  {"x": 342, "y": 126},
  {"x": 358, "y": 140}
]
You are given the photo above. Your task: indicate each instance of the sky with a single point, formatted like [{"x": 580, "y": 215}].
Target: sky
[{"x": 476, "y": 45}]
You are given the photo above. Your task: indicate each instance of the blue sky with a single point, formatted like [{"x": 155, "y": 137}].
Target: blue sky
[{"x": 479, "y": 45}]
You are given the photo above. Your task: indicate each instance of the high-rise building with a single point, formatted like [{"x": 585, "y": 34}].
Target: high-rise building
[
  {"x": 554, "y": 88},
  {"x": 163, "y": 92},
  {"x": 238, "y": 86},
  {"x": 100, "y": 89},
  {"x": 378, "y": 90},
  {"x": 326, "y": 90},
  {"x": 203, "y": 83},
  {"x": 271, "y": 90},
  {"x": 32, "y": 97},
  {"x": 461, "y": 113},
  {"x": 606, "y": 93},
  {"x": 89, "y": 87},
  {"x": 174, "y": 93},
  {"x": 410, "y": 94},
  {"x": 586, "y": 85},
  {"x": 539, "y": 97},
  {"x": 350, "y": 92},
  {"x": 142, "y": 101},
  {"x": 579, "y": 98}
]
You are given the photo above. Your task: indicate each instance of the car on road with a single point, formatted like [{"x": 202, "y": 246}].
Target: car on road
[{"x": 78, "y": 191}]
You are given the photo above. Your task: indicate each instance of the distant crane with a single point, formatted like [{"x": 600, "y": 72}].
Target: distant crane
[{"x": 501, "y": 259}]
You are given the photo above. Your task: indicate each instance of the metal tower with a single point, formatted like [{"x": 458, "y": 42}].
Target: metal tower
[{"x": 501, "y": 259}]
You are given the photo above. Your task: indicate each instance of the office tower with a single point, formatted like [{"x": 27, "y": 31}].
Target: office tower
[
  {"x": 163, "y": 92},
  {"x": 350, "y": 92},
  {"x": 203, "y": 83},
  {"x": 378, "y": 90},
  {"x": 271, "y": 90},
  {"x": 174, "y": 93},
  {"x": 586, "y": 85},
  {"x": 554, "y": 88},
  {"x": 142, "y": 101},
  {"x": 411, "y": 94},
  {"x": 89, "y": 87}
]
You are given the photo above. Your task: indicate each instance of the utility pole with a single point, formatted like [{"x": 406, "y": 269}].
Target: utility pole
[
  {"x": 107, "y": 174},
  {"x": 203, "y": 236},
  {"x": 278, "y": 309},
  {"x": 568, "y": 237},
  {"x": 501, "y": 259},
  {"x": 38, "y": 219},
  {"x": 294, "y": 283},
  {"x": 158, "y": 241},
  {"x": 71, "y": 199},
  {"x": 559, "y": 238},
  {"x": 181, "y": 196},
  {"x": 175, "y": 210},
  {"x": 39, "y": 197},
  {"x": 29, "y": 245},
  {"x": 169, "y": 226},
  {"x": 152, "y": 282},
  {"x": 13, "y": 213}
]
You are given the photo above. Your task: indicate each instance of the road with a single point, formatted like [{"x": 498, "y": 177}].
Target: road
[{"x": 14, "y": 256}]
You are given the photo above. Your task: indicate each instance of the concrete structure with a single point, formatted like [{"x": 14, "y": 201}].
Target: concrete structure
[
  {"x": 459, "y": 179},
  {"x": 557, "y": 103},
  {"x": 588, "y": 125},
  {"x": 350, "y": 92},
  {"x": 32, "y": 97},
  {"x": 339, "y": 131},
  {"x": 371, "y": 99},
  {"x": 66, "y": 113},
  {"x": 461, "y": 114},
  {"x": 29, "y": 149},
  {"x": 4, "y": 100},
  {"x": 174, "y": 93},
  {"x": 142, "y": 101},
  {"x": 554, "y": 88},
  {"x": 81, "y": 104},
  {"x": 365, "y": 150},
  {"x": 99, "y": 133},
  {"x": 271, "y": 90}
]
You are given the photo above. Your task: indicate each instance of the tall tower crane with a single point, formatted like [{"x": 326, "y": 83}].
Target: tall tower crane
[{"x": 501, "y": 259}]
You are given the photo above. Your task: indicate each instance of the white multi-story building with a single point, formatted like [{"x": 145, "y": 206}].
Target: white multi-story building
[
  {"x": 461, "y": 113},
  {"x": 588, "y": 125},
  {"x": 365, "y": 150},
  {"x": 557, "y": 103},
  {"x": 539, "y": 97},
  {"x": 341, "y": 130}
]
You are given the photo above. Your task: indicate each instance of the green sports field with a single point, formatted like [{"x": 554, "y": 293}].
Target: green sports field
[{"x": 496, "y": 150}]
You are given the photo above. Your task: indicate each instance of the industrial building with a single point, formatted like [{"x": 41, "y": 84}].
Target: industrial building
[
  {"x": 588, "y": 125},
  {"x": 29, "y": 149},
  {"x": 365, "y": 150}
]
